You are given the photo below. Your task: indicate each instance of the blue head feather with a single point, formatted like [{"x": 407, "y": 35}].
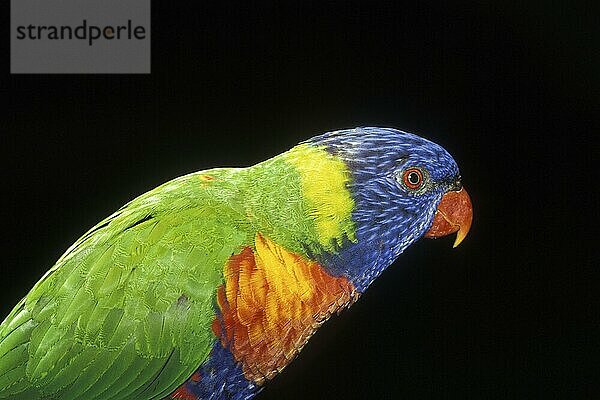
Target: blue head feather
[{"x": 388, "y": 215}]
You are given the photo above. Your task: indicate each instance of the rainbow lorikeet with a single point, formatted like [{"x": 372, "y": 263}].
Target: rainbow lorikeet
[{"x": 210, "y": 284}]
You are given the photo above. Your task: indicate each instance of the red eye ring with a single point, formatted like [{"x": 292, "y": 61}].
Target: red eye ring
[{"x": 413, "y": 178}]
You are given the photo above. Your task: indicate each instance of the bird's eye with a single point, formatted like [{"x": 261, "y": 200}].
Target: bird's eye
[{"x": 413, "y": 178}]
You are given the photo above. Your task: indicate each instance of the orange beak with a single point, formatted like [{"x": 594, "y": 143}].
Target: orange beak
[{"x": 454, "y": 214}]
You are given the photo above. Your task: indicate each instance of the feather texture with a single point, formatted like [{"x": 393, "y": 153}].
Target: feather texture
[{"x": 210, "y": 284}]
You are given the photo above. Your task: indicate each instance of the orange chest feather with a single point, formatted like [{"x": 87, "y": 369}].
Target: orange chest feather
[{"x": 271, "y": 303}]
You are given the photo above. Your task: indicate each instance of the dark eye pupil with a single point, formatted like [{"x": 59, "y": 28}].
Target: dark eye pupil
[{"x": 413, "y": 178}]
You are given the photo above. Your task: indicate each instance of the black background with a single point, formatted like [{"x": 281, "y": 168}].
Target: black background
[{"x": 511, "y": 91}]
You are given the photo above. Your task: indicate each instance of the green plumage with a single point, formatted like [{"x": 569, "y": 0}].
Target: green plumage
[
  {"x": 126, "y": 312},
  {"x": 134, "y": 294}
]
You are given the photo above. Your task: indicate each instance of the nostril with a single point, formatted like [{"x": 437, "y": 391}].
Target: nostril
[{"x": 456, "y": 186}]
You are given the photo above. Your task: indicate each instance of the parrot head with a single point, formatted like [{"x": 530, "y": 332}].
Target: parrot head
[{"x": 404, "y": 188}]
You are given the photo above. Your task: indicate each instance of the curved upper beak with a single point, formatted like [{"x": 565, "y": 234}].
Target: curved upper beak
[{"x": 454, "y": 214}]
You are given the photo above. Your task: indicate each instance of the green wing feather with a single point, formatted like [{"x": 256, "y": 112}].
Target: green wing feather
[
  {"x": 126, "y": 312},
  {"x": 134, "y": 295}
]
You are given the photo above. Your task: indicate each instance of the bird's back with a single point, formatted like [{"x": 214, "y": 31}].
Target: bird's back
[{"x": 134, "y": 294}]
